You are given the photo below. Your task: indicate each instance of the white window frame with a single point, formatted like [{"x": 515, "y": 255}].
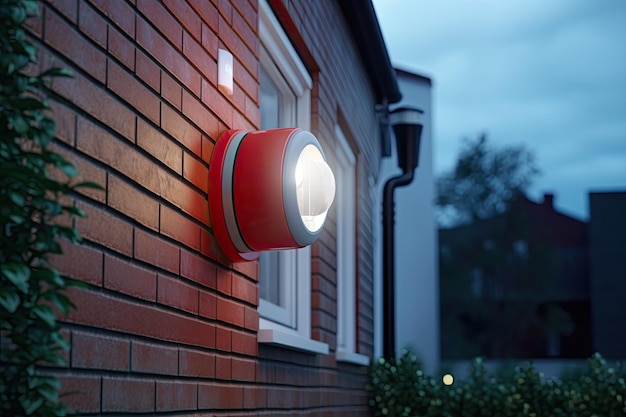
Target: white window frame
[
  {"x": 345, "y": 177},
  {"x": 289, "y": 325}
]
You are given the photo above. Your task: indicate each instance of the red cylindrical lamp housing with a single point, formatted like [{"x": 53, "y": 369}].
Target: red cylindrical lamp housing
[{"x": 254, "y": 201}]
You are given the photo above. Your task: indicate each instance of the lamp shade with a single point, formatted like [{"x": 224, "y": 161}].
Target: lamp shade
[{"x": 268, "y": 190}]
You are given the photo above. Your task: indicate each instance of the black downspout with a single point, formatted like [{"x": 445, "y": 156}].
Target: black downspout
[
  {"x": 408, "y": 131},
  {"x": 389, "y": 305}
]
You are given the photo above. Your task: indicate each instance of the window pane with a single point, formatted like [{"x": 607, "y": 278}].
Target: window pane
[
  {"x": 268, "y": 281},
  {"x": 270, "y": 101}
]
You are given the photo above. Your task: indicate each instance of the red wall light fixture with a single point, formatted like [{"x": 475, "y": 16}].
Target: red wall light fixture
[{"x": 268, "y": 190}]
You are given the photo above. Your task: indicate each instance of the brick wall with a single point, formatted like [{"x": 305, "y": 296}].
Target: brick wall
[{"x": 167, "y": 323}]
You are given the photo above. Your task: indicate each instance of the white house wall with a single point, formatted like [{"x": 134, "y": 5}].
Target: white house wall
[{"x": 417, "y": 289}]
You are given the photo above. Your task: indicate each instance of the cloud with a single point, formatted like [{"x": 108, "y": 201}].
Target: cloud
[{"x": 551, "y": 75}]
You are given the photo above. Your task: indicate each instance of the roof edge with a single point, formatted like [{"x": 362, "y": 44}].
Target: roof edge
[{"x": 363, "y": 23}]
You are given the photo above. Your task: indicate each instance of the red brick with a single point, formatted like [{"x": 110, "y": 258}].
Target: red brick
[
  {"x": 100, "y": 352},
  {"x": 138, "y": 96},
  {"x": 225, "y": 8},
  {"x": 195, "y": 363},
  {"x": 220, "y": 396},
  {"x": 196, "y": 172},
  {"x": 223, "y": 339},
  {"x": 163, "y": 20},
  {"x": 129, "y": 279},
  {"x": 249, "y": 14},
  {"x": 245, "y": 290},
  {"x": 235, "y": 45},
  {"x": 176, "y": 395},
  {"x": 69, "y": 8},
  {"x": 167, "y": 55},
  {"x": 117, "y": 154},
  {"x": 200, "y": 57},
  {"x": 197, "y": 269},
  {"x": 148, "y": 71},
  {"x": 81, "y": 394},
  {"x": 238, "y": 99},
  {"x": 66, "y": 123},
  {"x": 89, "y": 172},
  {"x": 219, "y": 105},
  {"x": 132, "y": 202},
  {"x": 159, "y": 146},
  {"x": 247, "y": 81},
  {"x": 209, "y": 247},
  {"x": 69, "y": 43},
  {"x": 252, "y": 112},
  {"x": 171, "y": 90},
  {"x": 251, "y": 318},
  {"x": 245, "y": 32},
  {"x": 224, "y": 281},
  {"x": 200, "y": 115},
  {"x": 120, "y": 13},
  {"x": 248, "y": 269},
  {"x": 174, "y": 293},
  {"x": 254, "y": 397},
  {"x": 79, "y": 262},
  {"x": 180, "y": 129},
  {"x": 208, "y": 305},
  {"x": 185, "y": 15},
  {"x": 242, "y": 122},
  {"x": 121, "y": 48},
  {"x": 223, "y": 367},
  {"x": 210, "y": 41},
  {"x": 90, "y": 23},
  {"x": 103, "y": 228},
  {"x": 243, "y": 370},
  {"x": 96, "y": 102},
  {"x": 153, "y": 359},
  {"x": 175, "y": 225},
  {"x": 156, "y": 251},
  {"x": 34, "y": 24},
  {"x": 207, "y": 12},
  {"x": 229, "y": 311},
  {"x": 128, "y": 395},
  {"x": 183, "y": 196},
  {"x": 207, "y": 149},
  {"x": 129, "y": 317},
  {"x": 245, "y": 343}
]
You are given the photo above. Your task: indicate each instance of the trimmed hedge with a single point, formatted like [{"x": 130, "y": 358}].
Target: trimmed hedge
[{"x": 401, "y": 388}]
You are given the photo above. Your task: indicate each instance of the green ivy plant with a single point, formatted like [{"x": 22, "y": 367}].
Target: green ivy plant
[
  {"x": 399, "y": 387},
  {"x": 34, "y": 185}
]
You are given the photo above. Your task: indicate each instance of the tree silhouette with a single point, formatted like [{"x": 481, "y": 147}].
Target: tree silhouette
[{"x": 484, "y": 181}]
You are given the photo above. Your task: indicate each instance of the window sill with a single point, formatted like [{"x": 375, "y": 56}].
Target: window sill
[
  {"x": 352, "y": 357},
  {"x": 291, "y": 341}
]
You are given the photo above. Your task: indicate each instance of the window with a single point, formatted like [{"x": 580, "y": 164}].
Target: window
[
  {"x": 345, "y": 197},
  {"x": 285, "y": 276}
]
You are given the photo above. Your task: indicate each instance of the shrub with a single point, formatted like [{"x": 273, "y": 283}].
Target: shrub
[
  {"x": 400, "y": 388},
  {"x": 35, "y": 183}
]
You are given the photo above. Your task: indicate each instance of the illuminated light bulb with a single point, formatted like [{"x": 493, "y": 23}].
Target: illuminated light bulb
[
  {"x": 448, "y": 379},
  {"x": 315, "y": 187}
]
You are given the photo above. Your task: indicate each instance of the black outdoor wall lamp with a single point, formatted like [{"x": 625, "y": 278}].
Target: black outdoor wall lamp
[{"x": 407, "y": 126}]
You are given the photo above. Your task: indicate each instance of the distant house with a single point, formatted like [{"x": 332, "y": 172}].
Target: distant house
[
  {"x": 607, "y": 255},
  {"x": 167, "y": 324},
  {"x": 516, "y": 285}
]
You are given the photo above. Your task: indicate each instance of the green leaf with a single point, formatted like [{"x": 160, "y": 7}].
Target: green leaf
[
  {"x": 17, "y": 198},
  {"x": 31, "y": 406},
  {"x": 29, "y": 103},
  {"x": 46, "y": 314},
  {"x": 10, "y": 301},
  {"x": 17, "y": 273},
  {"x": 89, "y": 184}
]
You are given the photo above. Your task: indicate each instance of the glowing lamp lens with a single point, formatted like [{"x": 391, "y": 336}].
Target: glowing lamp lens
[{"x": 315, "y": 187}]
